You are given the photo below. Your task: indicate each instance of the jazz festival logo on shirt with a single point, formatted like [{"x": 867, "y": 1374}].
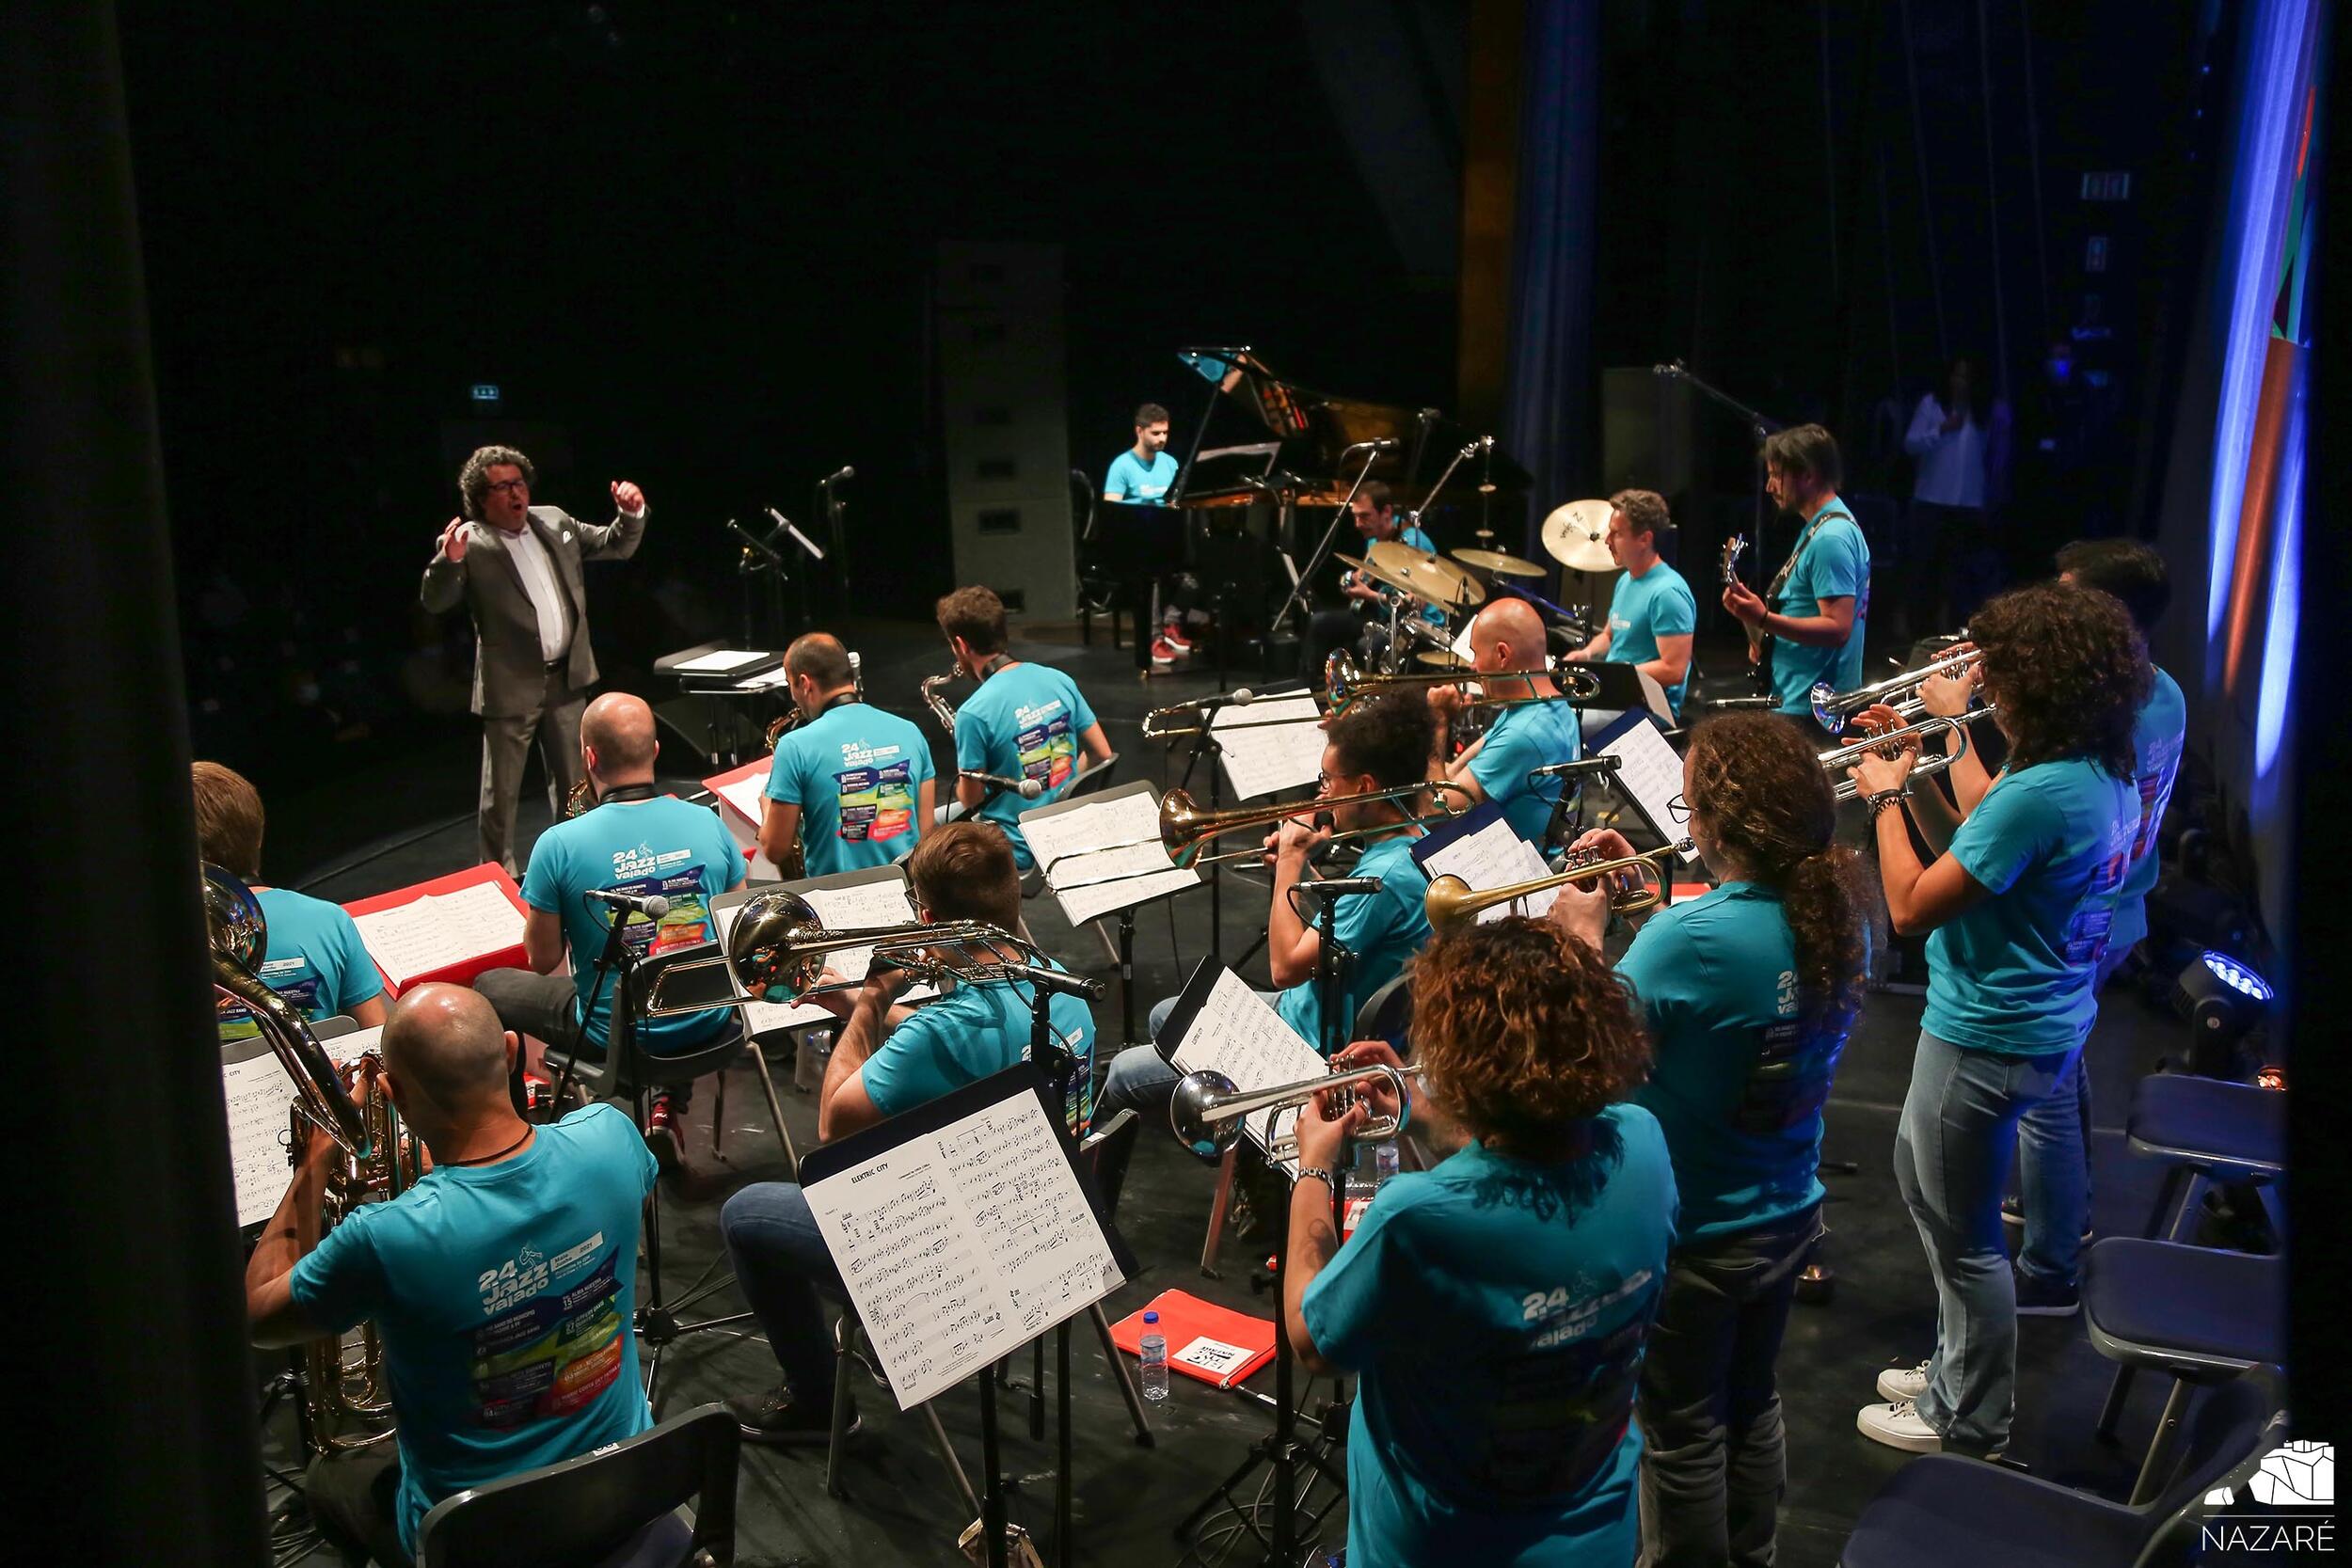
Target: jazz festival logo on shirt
[
  {"x": 2295, "y": 1493},
  {"x": 1047, "y": 752}
]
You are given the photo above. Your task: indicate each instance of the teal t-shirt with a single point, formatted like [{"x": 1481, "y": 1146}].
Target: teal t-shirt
[
  {"x": 2012, "y": 973},
  {"x": 1382, "y": 929},
  {"x": 1130, "y": 480},
  {"x": 967, "y": 1035},
  {"x": 504, "y": 1295},
  {"x": 1521, "y": 740},
  {"x": 664, "y": 845},
  {"x": 315, "y": 960},
  {"x": 1496, "y": 1312},
  {"x": 857, "y": 773},
  {"x": 1024, "y": 723},
  {"x": 1644, "y": 609},
  {"x": 1738, "y": 1082},
  {"x": 2157, "y": 736},
  {"x": 1834, "y": 564}
]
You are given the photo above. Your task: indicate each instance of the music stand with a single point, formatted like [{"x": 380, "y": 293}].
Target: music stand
[{"x": 1123, "y": 894}]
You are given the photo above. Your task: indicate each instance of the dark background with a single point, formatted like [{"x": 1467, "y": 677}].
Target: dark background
[{"x": 693, "y": 245}]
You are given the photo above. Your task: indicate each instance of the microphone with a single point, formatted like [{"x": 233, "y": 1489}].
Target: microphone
[
  {"x": 857, "y": 673},
  {"x": 1028, "y": 789},
  {"x": 1603, "y": 763},
  {"x": 1385, "y": 443},
  {"x": 847, "y": 472},
  {"x": 1430, "y": 416},
  {"x": 1341, "y": 887},
  {"x": 1228, "y": 353},
  {"x": 1055, "y": 980},
  {"x": 651, "y": 905}
]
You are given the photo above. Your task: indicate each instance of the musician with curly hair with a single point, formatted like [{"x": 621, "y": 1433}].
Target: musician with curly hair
[
  {"x": 2021, "y": 905},
  {"x": 1495, "y": 1307},
  {"x": 1749, "y": 993}
]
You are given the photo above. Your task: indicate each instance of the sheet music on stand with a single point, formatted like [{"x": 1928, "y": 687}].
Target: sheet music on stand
[
  {"x": 1649, "y": 775},
  {"x": 1261, "y": 758},
  {"x": 260, "y": 1096},
  {"x": 963, "y": 1231},
  {"x": 1480, "y": 848},
  {"x": 439, "y": 930},
  {"x": 1102, "y": 853},
  {"x": 1220, "y": 1023},
  {"x": 843, "y": 902}
]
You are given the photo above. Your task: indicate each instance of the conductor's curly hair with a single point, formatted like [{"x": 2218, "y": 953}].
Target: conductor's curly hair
[
  {"x": 473, "y": 480},
  {"x": 1521, "y": 1032},
  {"x": 2069, "y": 670}
]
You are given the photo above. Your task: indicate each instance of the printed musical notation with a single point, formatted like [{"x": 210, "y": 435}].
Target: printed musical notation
[
  {"x": 1651, "y": 773},
  {"x": 260, "y": 1100},
  {"x": 441, "y": 930},
  {"x": 1262, "y": 757},
  {"x": 842, "y": 909},
  {"x": 1104, "y": 856},
  {"x": 1238, "y": 1032},
  {"x": 961, "y": 1245},
  {"x": 1494, "y": 857}
]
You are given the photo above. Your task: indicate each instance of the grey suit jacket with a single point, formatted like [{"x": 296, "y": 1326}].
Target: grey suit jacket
[{"x": 508, "y": 672}]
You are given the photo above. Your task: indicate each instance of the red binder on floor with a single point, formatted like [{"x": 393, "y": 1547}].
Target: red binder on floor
[
  {"x": 464, "y": 947},
  {"x": 1213, "y": 1344}
]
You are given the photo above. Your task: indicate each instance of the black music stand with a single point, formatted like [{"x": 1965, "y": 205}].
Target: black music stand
[{"x": 1126, "y": 911}]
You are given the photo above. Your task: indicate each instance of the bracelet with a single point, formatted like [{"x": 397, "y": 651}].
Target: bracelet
[
  {"x": 1319, "y": 1173},
  {"x": 1883, "y": 800}
]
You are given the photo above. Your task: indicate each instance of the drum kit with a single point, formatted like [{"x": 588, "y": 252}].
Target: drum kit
[{"x": 1458, "y": 581}]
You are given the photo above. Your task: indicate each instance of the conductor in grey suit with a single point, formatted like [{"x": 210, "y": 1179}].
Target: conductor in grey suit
[{"x": 516, "y": 567}]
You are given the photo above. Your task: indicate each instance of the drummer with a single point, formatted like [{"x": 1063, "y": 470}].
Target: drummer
[
  {"x": 1652, "y": 612},
  {"x": 1362, "y": 626}
]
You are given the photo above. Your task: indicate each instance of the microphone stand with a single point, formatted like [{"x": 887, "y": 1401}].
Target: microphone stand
[
  {"x": 1759, "y": 425},
  {"x": 1303, "y": 590},
  {"x": 746, "y": 564}
]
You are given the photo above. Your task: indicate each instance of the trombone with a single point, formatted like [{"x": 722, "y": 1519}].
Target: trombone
[
  {"x": 1207, "y": 1108},
  {"x": 1184, "y": 828},
  {"x": 1345, "y": 685},
  {"x": 1843, "y": 758},
  {"x": 1899, "y": 691},
  {"x": 1156, "y": 724},
  {"x": 777, "y": 949},
  {"x": 1450, "y": 902}
]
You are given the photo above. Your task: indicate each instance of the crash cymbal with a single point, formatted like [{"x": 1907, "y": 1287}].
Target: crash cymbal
[
  {"x": 1426, "y": 576},
  {"x": 1495, "y": 561},
  {"x": 1577, "y": 536},
  {"x": 1442, "y": 658}
]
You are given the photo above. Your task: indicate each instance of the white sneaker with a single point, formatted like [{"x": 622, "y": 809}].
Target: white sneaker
[
  {"x": 1899, "y": 1425},
  {"x": 1904, "y": 1385}
]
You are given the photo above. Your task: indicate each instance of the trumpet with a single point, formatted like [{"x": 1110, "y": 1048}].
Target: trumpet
[
  {"x": 777, "y": 949},
  {"x": 1207, "y": 1108},
  {"x": 1345, "y": 685},
  {"x": 1843, "y": 758},
  {"x": 1450, "y": 902},
  {"x": 1899, "y": 691},
  {"x": 1184, "y": 828}
]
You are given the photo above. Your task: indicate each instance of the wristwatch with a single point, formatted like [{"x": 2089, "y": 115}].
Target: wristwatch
[{"x": 1319, "y": 1173}]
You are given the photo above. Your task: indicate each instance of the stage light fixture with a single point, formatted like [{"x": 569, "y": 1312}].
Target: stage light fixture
[{"x": 2222, "y": 998}]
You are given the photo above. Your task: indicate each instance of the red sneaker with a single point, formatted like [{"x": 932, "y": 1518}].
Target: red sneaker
[
  {"x": 1162, "y": 652},
  {"x": 663, "y": 1136}
]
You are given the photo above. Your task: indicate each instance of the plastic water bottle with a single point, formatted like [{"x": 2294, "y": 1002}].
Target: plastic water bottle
[
  {"x": 1383, "y": 1162},
  {"x": 1154, "y": 1358}
]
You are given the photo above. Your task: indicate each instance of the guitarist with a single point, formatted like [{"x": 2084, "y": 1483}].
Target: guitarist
[{"x": 1806, "y": 627}]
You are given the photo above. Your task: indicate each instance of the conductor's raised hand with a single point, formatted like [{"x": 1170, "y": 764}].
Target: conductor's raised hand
[
  {"x": 454, "y": 540},
  {"x": 628, "y": 497}
]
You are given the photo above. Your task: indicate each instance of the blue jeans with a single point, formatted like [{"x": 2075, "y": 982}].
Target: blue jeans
[
  {"x": 2052, "y": 1162},
  {"x": 1952, "y": 1149},
  {"x": 780, "y": 1261},
  {"x": 1714, "y": 1452},
  {"x": 1140, "y": 1079}
]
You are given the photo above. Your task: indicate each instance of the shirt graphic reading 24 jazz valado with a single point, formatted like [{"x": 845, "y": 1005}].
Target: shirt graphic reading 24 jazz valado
[
  {"x": 1024, "y": 723},
  {"x": 856, "y": 773}
]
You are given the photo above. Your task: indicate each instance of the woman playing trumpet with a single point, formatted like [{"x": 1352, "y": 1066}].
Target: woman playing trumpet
[
  {"x": 1749, "y": 993},
  {"x": 1495, "y": 1307}
]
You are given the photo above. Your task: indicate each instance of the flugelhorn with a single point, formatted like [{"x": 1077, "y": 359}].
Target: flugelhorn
[
  {"x": 1206, "y": 1108},
  {"x": 1345, "y": 685},
  {"x": 1901, "y": 692},
  {"x": 1450, "y": 902},
  {"x": 239, "y": 936},
  {"x": 777, "y": 949},
  {"x": 1184, "y": 828},
  {"x": 1843, "y": 758}
]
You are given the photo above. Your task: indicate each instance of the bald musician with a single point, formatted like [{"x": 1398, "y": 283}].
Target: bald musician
[
  {"x": 637, "y": 842},
  {"x": 1509, "y": 635},
  {"x": 503, "y": 1284}
]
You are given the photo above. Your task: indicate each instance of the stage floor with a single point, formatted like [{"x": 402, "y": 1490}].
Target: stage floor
[{"x": 901, "y": 1507}]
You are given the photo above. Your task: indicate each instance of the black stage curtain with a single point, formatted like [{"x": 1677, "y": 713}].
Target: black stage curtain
[{"x": 138, "y": 1417}]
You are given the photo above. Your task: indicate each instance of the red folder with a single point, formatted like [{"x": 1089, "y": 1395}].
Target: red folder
[
  {"x": 745, "y": 827},
  {"x": 1213, "y": 1344},
  {"x": 462, "y": 973}
]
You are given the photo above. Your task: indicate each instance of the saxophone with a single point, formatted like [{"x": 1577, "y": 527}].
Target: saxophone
[
  {"x": 794, "y": 866},
  {"x": 937, "y": 703}
]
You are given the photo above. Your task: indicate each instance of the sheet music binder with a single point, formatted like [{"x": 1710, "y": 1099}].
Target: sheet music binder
[
  {"x": 855, "y": 1157},
  {"x": 1063, "y": 807},
  {"x": 1453, "y": 830},
  {"x": 1668, "y": 832},
  {"x": 1623, "y": 690}
]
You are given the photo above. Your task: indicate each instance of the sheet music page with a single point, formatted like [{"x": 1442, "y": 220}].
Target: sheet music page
[
  {"x": 1261, "y": 758},
  {"x": 767, "y": 680},
  {"x": 1494, "y": 857},
  {"x": 963, "y": 1244},
  {"x": 441, "y": 930},
  {"x": 1117, "y": 838},
  {"x": 881, "y": 903},
  {"x": 748, "y": 796},
  {"x": 717, "y": 663},
  {"x": 1240, "y": 1034},
  {"x": 1098, "y": 825},
  {"x": 260, "y": 1098},
  {"x": 1652, "y": 774}
]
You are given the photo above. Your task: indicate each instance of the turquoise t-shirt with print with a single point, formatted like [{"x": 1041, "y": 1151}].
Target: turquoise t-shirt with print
[
  {"x": 659, "y": 846},
  {"x": 1381, "y": 929},
  {"x": 1496, "y": 1312},
  {"x": 1737, "y": 1083},
  {"x": 1834, "y": 564},
  {"x": 1521, "y": 739},
  {"x": 2157, "y": 736},
  {"x": 1024, "y": 723},
  {"x": 967, "y": 1035},
  {"x": 1644, "y": 609},
  {"x": 315, "y": 960},
  {"x": 857, "y": 774},
  {"x": 504, "y": 1295},
  {"x": 1130, "y": 480},
  {"x": 2012, "y": 973}
]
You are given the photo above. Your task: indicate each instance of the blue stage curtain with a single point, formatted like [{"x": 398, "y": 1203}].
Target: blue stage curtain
[{"x": 1549, "y": 388}]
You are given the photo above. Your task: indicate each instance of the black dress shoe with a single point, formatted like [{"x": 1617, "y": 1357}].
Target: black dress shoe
[{"x": 777, "y": 1418}]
